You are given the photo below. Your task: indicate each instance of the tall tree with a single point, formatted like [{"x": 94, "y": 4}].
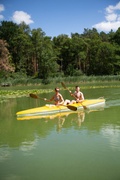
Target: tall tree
[
  {"x": 116, "y": 42},
  {"x": 19, "y": 43},
  {"x": 65, "y": 57},
  {"x": 105, "y": 59},
  {"x": 47, "y": 60},
  {"x": 5, "y": 63},
  {"x": 37, "y": 36}
]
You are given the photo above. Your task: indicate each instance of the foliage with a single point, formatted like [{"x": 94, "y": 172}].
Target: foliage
[
  {"x": 5, "y": 64},
  {"x": 32, "y": 53}
]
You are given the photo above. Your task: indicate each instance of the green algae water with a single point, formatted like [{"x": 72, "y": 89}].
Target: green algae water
[{"x": 84, "y": 145}]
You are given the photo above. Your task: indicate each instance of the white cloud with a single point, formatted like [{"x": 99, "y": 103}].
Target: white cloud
[
  {"x": 1, "y": 17},
  {"x": 1, "y": 8},
  {"x": 107, "y": 26},
  {"x": 20, "y": 16},
  {"x": 111, "y": 9},
  {"x": 112, "y": 19}
]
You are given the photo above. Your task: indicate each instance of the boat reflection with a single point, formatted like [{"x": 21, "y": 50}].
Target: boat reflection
[
  {"x": 80, "y": 113},
  {"x": 75, "y": 117}
]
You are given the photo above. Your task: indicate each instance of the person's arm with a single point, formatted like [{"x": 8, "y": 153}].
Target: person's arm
[
  {"x": 73, "y": 94},
  {"x": 82, "y": 96},
  {"x": 49, "y": 100}
]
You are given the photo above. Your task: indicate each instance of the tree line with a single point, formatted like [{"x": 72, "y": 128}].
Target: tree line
[{"x": 34, "y": 54}]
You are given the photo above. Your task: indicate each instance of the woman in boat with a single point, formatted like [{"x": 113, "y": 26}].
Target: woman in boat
[
  {"x": 78, "y": 95},
  {"x": 57, "y": 97}
]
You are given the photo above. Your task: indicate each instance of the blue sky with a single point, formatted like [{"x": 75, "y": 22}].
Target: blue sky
[{"x": 57, "y": 17}]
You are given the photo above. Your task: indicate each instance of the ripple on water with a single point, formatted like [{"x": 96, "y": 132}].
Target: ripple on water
[
  {"x": 112, "y": 102},
  {"x": 112, "y": 133}
]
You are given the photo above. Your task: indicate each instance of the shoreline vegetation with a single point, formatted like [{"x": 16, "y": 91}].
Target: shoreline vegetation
[
  {"x": 23, "y": 81},
  {"x": 23, "y": 87}
]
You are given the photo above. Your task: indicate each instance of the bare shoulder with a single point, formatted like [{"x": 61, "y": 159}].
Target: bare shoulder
[{"x": 60, "y": 95}]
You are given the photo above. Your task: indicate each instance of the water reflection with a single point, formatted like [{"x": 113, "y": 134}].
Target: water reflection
[
  {"x": 4, "y": 153},
  {"x": 60, "y": 123},
  {"x": 112, "y": 133},
  {"x": 79, "y": 118},
  {"x": 28, "y": 146},
  {"x": 63, "y": 119}
]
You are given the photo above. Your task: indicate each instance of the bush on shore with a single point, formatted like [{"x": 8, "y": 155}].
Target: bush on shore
[{"x": 24, "y": 80}]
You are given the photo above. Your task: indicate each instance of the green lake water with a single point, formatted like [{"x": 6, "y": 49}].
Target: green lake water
[{"x": 83, "y": 145}]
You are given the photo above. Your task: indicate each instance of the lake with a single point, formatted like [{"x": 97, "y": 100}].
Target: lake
[{"x": 83, "y": 145}]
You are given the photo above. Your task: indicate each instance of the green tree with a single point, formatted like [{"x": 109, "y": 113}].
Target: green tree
[
  {"x": 116, "y": 36},
  {"x": 63, "y": 45},
  {"x": 47, "y": 62},
  {"x": 105, "y": 59},
  {"x": 19, "y": 44},
  {"x": 37, "y": 36},
  {"x": 79, "y": 49},
  {"x": 115, "y": 41}
]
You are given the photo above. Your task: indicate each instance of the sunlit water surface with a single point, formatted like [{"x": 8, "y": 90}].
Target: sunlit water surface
[{"x": 84, "y": 145}]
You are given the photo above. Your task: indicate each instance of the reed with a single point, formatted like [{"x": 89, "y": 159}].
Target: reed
[{"x": 17, "y": 81}]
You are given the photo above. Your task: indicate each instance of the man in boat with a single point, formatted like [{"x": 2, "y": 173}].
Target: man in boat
[
  {"x": 57, "y": 97},
  {"x": 78, "y": 95}
]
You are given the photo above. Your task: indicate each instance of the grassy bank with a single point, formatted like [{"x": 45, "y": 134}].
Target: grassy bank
[
  {"x": 24, "y": 88},
  {"x": 18, "y": 81}
]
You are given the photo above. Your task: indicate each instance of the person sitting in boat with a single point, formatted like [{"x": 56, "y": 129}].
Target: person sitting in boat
[
  {"x": 57, "y": 97},
  {"x": 78, "y": 95}
]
